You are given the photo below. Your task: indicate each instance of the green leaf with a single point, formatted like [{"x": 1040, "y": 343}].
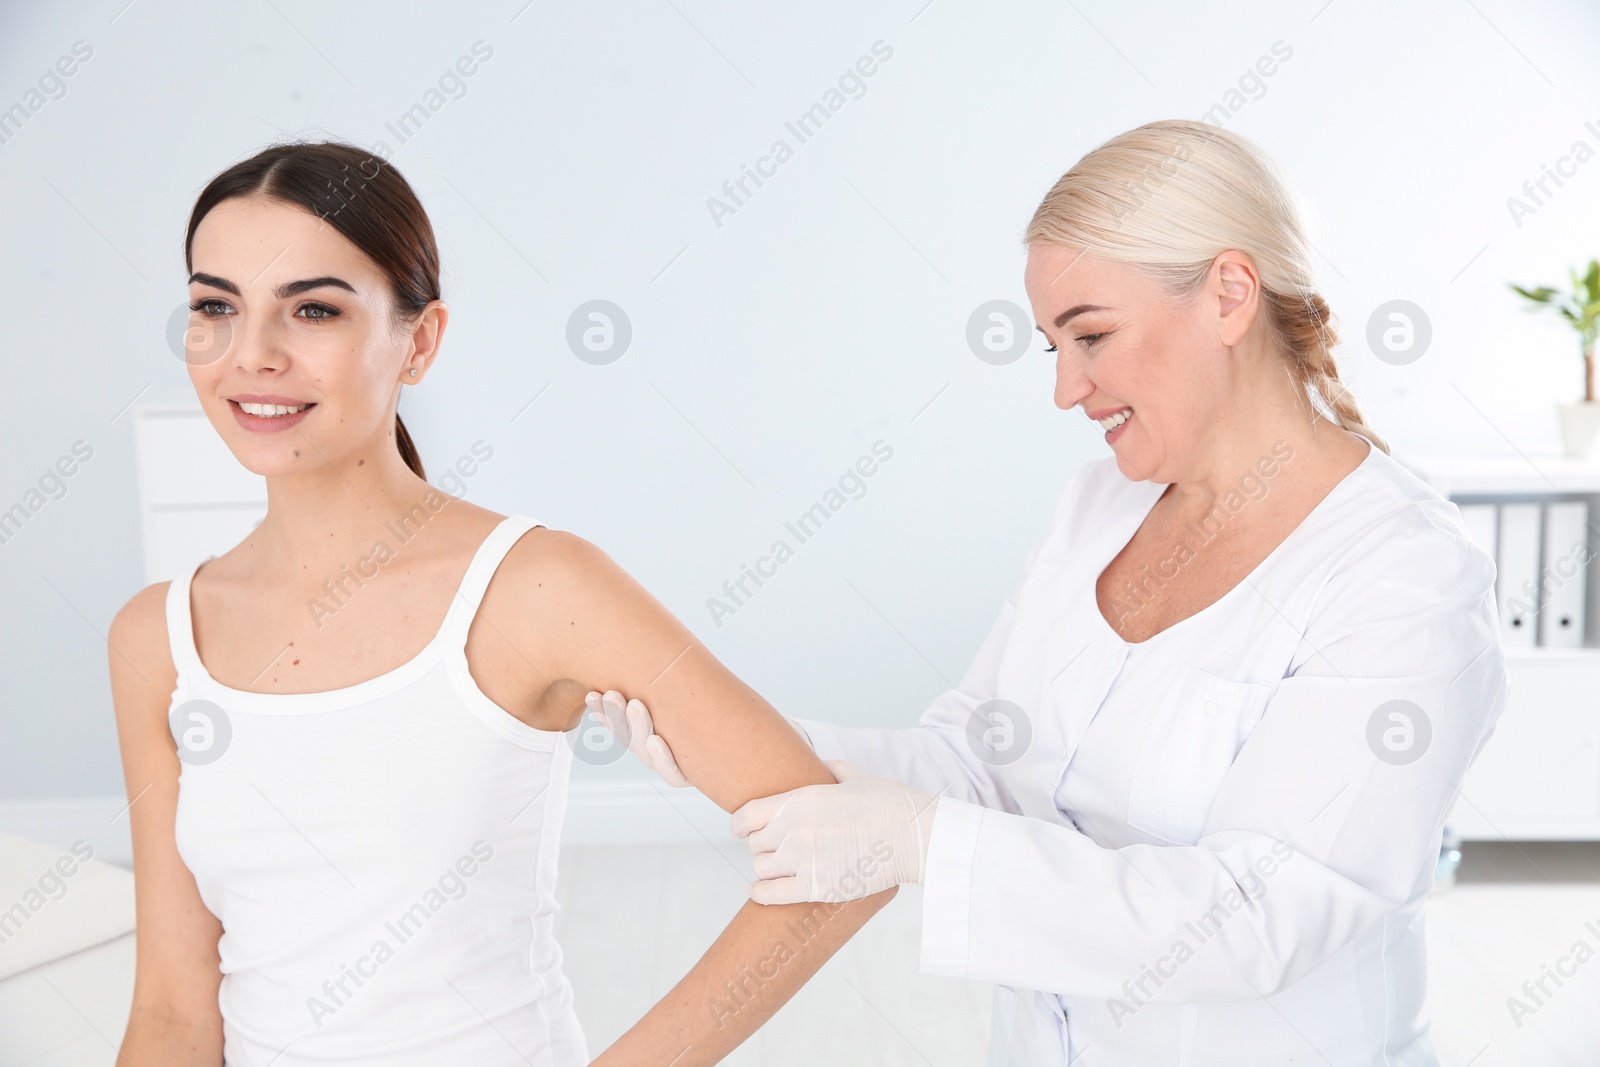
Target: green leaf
[{"x": 1540, "y": 295}]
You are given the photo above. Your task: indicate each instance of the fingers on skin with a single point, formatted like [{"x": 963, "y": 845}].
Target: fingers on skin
[
  {"x": 767, "y": 839},
  {"x": 640, "y": 727},
  {"x": 769, "y": 865},
  {"x": 755, "y": 814},
  {"x": 661, "y": 759},
  {"x": 776, "y": 891},
  {"x": 741, "y": 821},
  {"x": 752, "y": 815},
  {"x": 608, "y": 712},
  {"x": 596, "y": 709},
  {"x": 637, "y": 712},
  {"x": 842, "y": 771}
]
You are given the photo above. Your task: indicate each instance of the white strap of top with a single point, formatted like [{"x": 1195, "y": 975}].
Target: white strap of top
[
  {"x": 180, "y": 624},
  {"x": 464, "y": 608},
  {"x": 458, "y": 620}
]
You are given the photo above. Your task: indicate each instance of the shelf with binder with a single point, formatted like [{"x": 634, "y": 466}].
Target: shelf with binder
[
  {"x": 1538, "y": 776},
  {"x": 1546, "y": 582}
]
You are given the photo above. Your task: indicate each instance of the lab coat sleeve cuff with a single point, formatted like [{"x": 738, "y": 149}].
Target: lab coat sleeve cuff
[{"x": 947, "y": 887}]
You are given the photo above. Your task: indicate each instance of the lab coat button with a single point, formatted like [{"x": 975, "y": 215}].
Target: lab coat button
[
  {"x": 1111, "y": 660},
  {"x": 1211, "y": 707}
]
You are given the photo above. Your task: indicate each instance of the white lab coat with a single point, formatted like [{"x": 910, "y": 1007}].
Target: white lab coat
[{"x": 1197, "y": 856}]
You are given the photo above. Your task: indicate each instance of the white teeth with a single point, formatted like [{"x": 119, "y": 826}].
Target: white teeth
[
  {"x": 1111, "y": 422},
  {"x": 271, "y": 411}
]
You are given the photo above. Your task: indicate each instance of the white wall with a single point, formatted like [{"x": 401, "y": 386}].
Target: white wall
[{"x": 771, "y": 351}]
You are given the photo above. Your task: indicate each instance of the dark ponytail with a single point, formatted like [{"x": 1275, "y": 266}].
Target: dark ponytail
[
  {"x": 408, "y": 451},
  {"x": 362, "y": 196}
]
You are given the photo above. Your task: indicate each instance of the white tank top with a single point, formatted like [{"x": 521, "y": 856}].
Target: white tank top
[{"x": 382, "y": 858}]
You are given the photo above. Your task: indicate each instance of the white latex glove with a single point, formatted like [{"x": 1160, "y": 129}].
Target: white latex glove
[
  {"x": 632, "y": 723},
  {"x": 836, "y": 842}
]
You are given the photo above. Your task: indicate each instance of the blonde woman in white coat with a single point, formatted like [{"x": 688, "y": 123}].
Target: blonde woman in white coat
[{"x": 1185, "y": 805}]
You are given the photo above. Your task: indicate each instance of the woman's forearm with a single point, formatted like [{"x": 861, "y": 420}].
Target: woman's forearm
[
  {"x": 156, "y": 1036},
  {"x": 763, "y": 957}
]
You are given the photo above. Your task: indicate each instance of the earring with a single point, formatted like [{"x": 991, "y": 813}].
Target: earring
[{"x": 413, "y": 372}]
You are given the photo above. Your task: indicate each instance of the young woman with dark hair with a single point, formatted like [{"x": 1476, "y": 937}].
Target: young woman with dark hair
[{"x": 345, "y": 825}]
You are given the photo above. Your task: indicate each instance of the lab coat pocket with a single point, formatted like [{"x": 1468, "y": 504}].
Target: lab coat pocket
[{"x": 1195, "y": 735}]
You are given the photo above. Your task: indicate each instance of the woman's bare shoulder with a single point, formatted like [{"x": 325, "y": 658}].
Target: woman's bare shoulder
[
  {"x": 573, "y": 596},
  {"x": 557, "y": 551},
  {"x": 560, "y": 564},
  {"x": 137, "y": 641}
]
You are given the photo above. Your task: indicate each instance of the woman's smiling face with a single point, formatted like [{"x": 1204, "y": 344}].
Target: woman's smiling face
[
  {"x": 291, "y": 313},
  {"x": 1126, "y": 351}
]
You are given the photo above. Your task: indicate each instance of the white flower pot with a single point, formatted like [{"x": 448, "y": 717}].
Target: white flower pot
[{"x": 1580, "y": 424}]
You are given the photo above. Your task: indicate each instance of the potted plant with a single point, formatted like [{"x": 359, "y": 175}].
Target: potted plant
[{"x": 1580, "y": 307}]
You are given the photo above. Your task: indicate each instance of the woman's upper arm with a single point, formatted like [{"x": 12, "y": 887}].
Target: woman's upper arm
[
  {"x": 177, "y": 970},
  {"x": 593, "y": 624}
]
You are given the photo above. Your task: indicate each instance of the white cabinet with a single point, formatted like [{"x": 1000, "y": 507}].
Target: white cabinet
[
  {"x": 1538, "y": 777},
  {"x": 195, "y": 499}
]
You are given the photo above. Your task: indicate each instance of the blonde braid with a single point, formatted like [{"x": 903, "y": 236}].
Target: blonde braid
[{"x": 1305, "y": 331}]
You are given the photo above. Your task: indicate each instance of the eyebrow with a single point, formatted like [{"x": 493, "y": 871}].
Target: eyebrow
[
  {"x": 283, "y": 292},
  {"x": 1067, "y": 315}
]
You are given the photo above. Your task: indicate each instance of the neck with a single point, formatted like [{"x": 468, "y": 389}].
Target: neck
[
  {"x": 1273, "y": 443},
  {"x": 334, "y": 513}
]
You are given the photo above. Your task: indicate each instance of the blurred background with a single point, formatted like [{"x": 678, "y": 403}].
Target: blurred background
[{"x": 674, "y": 365}]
